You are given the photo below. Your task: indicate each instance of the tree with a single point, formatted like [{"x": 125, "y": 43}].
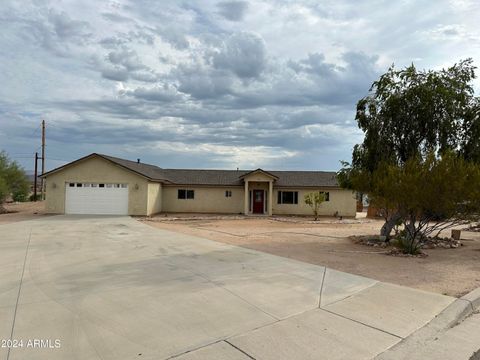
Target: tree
[
  {"x": 13, "y": 181},
  {"x": 429, "y": 195},
  {"x": 314, "y": 200},
  {"x": 410, "y": 114}
]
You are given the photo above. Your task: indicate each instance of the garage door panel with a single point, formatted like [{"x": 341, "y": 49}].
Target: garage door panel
[{"x": 96, "y": 200}]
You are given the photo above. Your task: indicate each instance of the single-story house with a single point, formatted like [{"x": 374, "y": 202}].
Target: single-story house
[{"x": 101, "y": 184}]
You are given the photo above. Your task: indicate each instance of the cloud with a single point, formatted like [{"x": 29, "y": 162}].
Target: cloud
[
  {"x": 163, "y": 93},
  {"x": 67, "y": 29},
  {"x": 203, "y": 82},
  {"x": 115, "y": 73},
  {"x": 242, "y": 53},
  {"x": 233, "y": 10},
  {"x": 225, "y": 84}
]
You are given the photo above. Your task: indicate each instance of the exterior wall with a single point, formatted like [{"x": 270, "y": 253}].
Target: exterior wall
[
  {"x": 213, "y": 200},
  {"x": 207, "y": 200},
  {"x": 154, "y": 204},
  {"x": 96, "y": 170},
  {"x": 341, "y": 200},
  {"x": 257, "y": 177},
  {"x": 258, "y": 186}
]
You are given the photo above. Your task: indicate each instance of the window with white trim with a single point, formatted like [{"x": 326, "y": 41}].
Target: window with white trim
[{"x": 228, "y": 193}]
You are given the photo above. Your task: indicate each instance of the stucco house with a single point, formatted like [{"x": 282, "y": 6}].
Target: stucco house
[{"x": 101, "y": 184}]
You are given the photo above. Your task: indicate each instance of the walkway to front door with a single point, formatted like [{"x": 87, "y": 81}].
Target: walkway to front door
[{"x": 258, "y": 199}]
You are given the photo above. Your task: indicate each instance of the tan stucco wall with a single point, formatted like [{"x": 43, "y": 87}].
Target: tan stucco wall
[
  {"x": 207, "y": 200},
  {"x": 154, "y": 204},
  {"x": 213, "y": 200},
  {"x": 96, "y": 170},
  {"x": 258, "y": 177},
  {"x": 342, "y": 201}
]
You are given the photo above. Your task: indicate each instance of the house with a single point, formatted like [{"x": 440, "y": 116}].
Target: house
[{"x": 101, "y": 184}]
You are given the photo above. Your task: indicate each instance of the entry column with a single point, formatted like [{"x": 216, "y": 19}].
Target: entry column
[
  {"x": 245, "y": 203},
  {"x": 270, "y": 197}
]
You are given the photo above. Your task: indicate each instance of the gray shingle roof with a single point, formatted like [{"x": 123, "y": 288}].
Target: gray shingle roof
[
  {"x": 219, "y": 177},
  {"x": 150, "y": 171}
]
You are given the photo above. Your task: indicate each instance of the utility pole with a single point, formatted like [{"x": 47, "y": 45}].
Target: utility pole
[
  {"x": 35, "y": 175},
  {"x": 43, "y": 159}
]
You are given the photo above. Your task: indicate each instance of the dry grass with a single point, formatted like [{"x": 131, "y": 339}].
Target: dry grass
[{"x": 447, "y": 271}]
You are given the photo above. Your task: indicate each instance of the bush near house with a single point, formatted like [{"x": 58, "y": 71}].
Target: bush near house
[
  {"x": 13, "y": 181},
  {"x": 314, "y": 200}
]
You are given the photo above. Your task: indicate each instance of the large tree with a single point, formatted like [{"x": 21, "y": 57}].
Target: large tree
[
  {"x": 412, "y": 114},
  {"x": 13, "y": 181},
  {"x": 429, "y": 195}
]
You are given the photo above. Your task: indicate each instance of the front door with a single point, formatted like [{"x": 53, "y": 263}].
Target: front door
[{"x": 258, "y": 199}]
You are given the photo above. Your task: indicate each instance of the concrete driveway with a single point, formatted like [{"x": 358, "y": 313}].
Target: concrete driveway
[{"x": 114, "y": 288}]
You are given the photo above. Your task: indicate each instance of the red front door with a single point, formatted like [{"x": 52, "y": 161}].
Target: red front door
[{"x": 258, "y": 199}]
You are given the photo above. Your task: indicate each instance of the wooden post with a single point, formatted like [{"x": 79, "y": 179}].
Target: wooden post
[
  {"x": 35, "y": 175},
  {"x": 43, "y": 159}
]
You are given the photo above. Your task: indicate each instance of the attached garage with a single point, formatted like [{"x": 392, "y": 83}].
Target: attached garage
[
  {"x": 103, "y": 185},
  {"x": 96, "y": 198}
]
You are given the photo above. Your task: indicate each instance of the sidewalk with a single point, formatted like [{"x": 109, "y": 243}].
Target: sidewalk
[
  {"x": 454, "y": 334},
  {"x": 457, "y": 343}
]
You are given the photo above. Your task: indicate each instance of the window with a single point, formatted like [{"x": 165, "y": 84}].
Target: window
[
  {"x": 327, "y": 195},
  {"x": 287, "y": 197},
  {"x": 101, "y": 185},
  {"x": 124, "y": 186},
  {"x": 185, "y": 194},
  {"x": 79, "y": 184},
  {"x": 228, "y": 193},
  {"x": 109, "y": 185},
  {"x": 71, "y": 184},
  {"x": 116, "y": 185},
  {"x": 86, "y": 185},
  {"x": 94, "y": 185}
]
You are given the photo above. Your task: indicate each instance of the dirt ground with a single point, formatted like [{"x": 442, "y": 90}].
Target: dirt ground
[
  {"x": 447, "y": 271},
  {"x": 22, "y": 211}
]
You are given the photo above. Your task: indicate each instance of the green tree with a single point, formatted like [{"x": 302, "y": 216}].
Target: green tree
[
  {"x": 314, "y": 200},
  {"x": 410, "y": 114},
  {"x": 430, "y": 195},
  {"x": 13, "y": 181}
]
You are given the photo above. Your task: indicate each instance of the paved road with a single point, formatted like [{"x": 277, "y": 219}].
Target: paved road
[{"x": 114, "y": 288}]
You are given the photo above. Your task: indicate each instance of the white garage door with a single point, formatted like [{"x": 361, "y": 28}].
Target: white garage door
[{"x": 96, "y": 198}]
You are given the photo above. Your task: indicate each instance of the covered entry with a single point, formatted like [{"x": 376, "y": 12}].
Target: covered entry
[
  {"x": 258, "y": 192},
  {"x": 96, "y": 198}
]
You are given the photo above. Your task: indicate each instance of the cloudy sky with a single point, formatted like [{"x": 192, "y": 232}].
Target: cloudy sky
[{"x": 210, "y": 84}]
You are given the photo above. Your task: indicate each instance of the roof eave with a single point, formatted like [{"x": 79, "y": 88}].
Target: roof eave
[
  {"x": 260, "y": 171},
  {"x": 60, "y": 168}
]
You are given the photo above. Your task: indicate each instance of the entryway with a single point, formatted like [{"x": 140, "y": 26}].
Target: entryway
[{"x": 258, "y": 201}]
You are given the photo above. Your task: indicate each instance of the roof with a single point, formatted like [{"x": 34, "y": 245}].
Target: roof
[
  {"x": 259, "y": 171},
  {"x": 216, "y": 177}
]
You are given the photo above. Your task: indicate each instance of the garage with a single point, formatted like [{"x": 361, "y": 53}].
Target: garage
[{"x": 96, "y": 198}]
